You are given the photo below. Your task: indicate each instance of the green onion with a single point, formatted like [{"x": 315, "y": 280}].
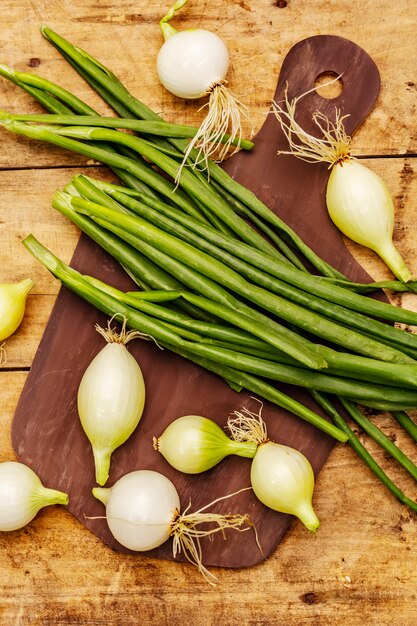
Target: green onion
[
  {"x": 361, "y": 451},
  {"x": 163, "y": 129},
  {"x": 380, "y": 438},
  {"x": 219, "y": 272},
  {"x": 220, "y": 247},
  {"x": 105, "y": 303},
  {"x": 407, "y": 423}
]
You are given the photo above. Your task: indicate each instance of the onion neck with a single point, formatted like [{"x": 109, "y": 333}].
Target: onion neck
[
  {"x": 102, "y": 494},
  {"x": 24, "y": 286},
  {"x": 306, "y": 514},
  {"x": 390, "y": 255},
  {"x": 247, "y": 449},
  {"x": 166, "y": 28},
  {"x": 51, "y": 496},
  {"x": 102, "y": 465}
]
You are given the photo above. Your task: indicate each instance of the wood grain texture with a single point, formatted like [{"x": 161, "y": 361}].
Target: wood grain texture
[
  {"x": 125, "y": 36},
  {"x": 361, "y": 567}
]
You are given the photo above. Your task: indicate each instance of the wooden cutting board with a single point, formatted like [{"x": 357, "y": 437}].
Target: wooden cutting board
[{"x": 46, "y": 432}]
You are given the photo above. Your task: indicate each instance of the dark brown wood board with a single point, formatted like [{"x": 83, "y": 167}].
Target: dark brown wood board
[{"x": 46, "y": 432}]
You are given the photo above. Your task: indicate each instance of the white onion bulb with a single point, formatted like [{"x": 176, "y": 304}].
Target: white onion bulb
[
  {"x": 111, "y": 398},
  {"x": 12, "y": 305},
  {"x": 361, "y": 206},
  {"x": 140, "y": 509},
  {"x": 143, "y": 511},
  {"x": 194, "y": 444},
  {"x": 282, "y": 478},
  {"x": 22, "y": 495},
  {"x": 358, "y": 200},
  {"x": 191, "y": 62}
]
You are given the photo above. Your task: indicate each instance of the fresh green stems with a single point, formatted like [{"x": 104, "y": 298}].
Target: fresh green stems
[
  {"x": 228, "y": 278},
  {"x": 221, "y": 247},
  {"x": 95, "y": 72},
  {"x": 107, "y": 304},
  {"x": 188, "y": 181},
  {"x": 380, "y": 437},
  {"x": 162, "y": 129},
  {"x": 360, "y": 450},
  {"x": 407, "y": 423},
  {"x": 136, "y": 168}
]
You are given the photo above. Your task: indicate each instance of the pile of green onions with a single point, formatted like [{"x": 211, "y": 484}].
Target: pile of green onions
[{"x": 214, "y": 290}]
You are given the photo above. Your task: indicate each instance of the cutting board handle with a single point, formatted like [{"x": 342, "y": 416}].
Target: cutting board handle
[
  {"x": 314, "y": 56},
  {"x": 294, "y": 189}
]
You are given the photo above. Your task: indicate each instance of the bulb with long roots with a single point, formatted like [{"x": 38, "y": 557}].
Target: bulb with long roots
[
  {"x": 192, "y": 64},
  {"x": 358, "y": 201}
]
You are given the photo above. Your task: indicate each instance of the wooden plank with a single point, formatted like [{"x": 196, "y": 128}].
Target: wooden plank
[
  {"x": 360, "y": 567},
  {"x": 126, "y": 38}
]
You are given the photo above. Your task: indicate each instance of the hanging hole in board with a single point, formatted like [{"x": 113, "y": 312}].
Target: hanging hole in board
[{"x": 328, "y": 85}]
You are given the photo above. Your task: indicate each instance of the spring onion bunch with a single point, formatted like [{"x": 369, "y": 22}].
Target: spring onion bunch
[
  {"x": 111, "y": 397},
  {"x": 143, "y": 511},
  {"x": 192, "y": 64},
  {"x": 358, "y": 200},
  {"x": 218, "y": 204},
  {"x": 22, "y": 495}
]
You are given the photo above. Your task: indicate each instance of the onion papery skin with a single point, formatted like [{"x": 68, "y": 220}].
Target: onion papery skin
[
  {"x": 140, "y": 509},
  {"x": 111, "y": 398},
  {"x": 194, "y": 444},
  {"x": 191, "y": 61},
  {"x": 283, "y": 479},
  {"x": 22, "y": 495}
]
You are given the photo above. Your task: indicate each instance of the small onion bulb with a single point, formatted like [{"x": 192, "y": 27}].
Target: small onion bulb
[
  {"x": 143, "y": 511},
  {"x": 12, "y": 305},
  {"x": 281, "y": 477},
  {"x": 22, "y": 495},
  {"x": 111, "y": 398},
  {"x": 185, "y": 67},
  {"x": 358, "y": 201},
  {"x": 361, "y": 206},
  {"x": 194, "y": 444},
  {"x": 192, "y": 64}
]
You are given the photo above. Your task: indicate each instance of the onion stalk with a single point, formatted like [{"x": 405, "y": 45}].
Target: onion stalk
[
  {"x": 22, "y": 495},
  {"x": 192, "y": 64},
  {"x": 111, "y": 397},
  {"x": 143, "y": 511},
  {"x": 74, "y": 281},
  {"x": 110, "y": 88},
  {"x": 358, "y": 200}
]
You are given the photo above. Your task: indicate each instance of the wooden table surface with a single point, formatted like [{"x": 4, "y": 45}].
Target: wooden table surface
[{"x": 361, "y": 567}]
